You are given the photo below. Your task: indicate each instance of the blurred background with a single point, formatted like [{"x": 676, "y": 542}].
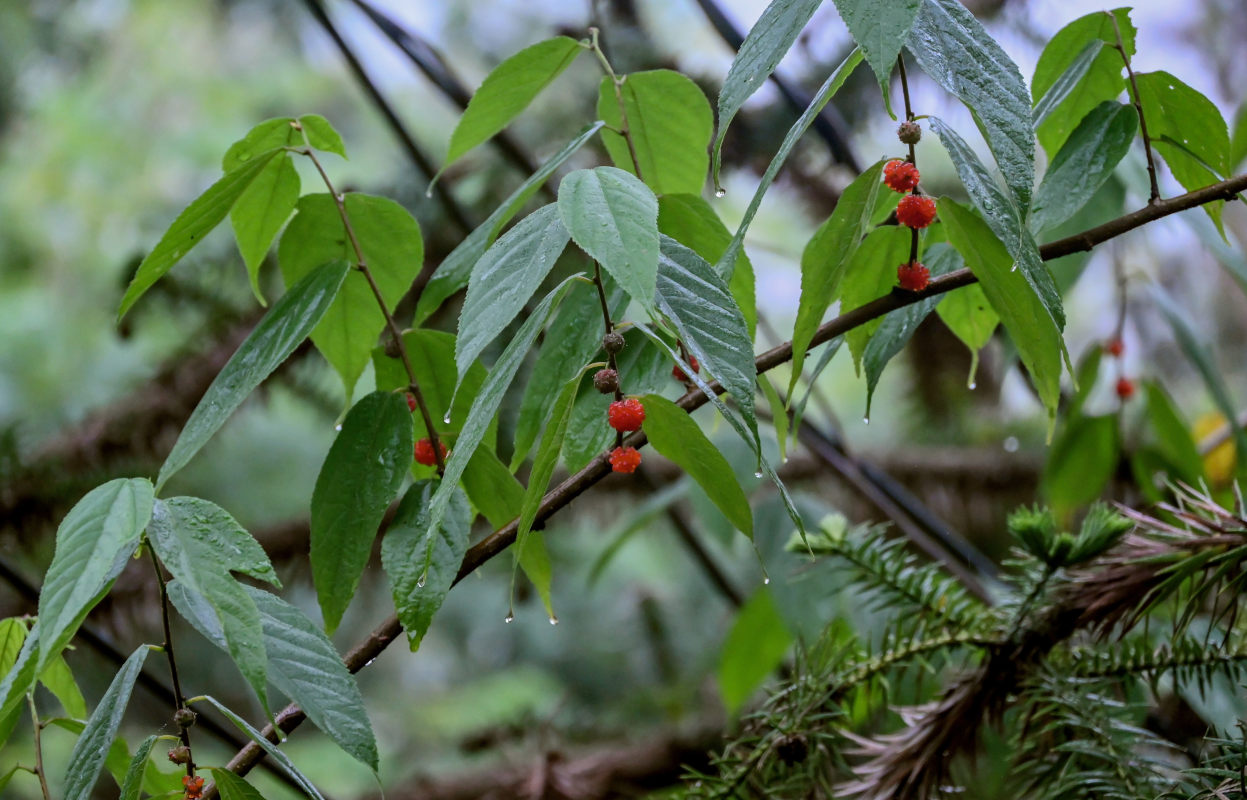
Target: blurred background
[{"x": 114, "y": 114}]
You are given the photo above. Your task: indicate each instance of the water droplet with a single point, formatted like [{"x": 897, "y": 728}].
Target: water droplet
[
  {"x": 758, "y": 474},
  {"x": 784, "y": 460},
  {"x": 766, "y": 580},
  {"x": 865, "y": 420},
  {"x": 446, "y": 419},
  {"x": 554, "y": 620},
  {"x": 1011, "y": 444},
  {"x": 510, "y": 617},
  {"x": 338, "y": 427},
  {"x": 368, "y": 663},
  {"x": 429, "y": 191},
  {"x": 973, "y": 385},
  {"x": 423, "y": 577},
  {"x": 720, "y": 192}
]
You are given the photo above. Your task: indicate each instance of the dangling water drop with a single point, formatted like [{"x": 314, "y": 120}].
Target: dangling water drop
[
  {"x": 766, "y": 580},
  {"x": 338, "y": 427},
  {"x": 429, "y": 191},
  {"x": 758, "y": 474},
  {"x": 973, "y": 386},
  {"x": 865, "y": 420},
  {"x": 510, "y": 617},
  {"x": 446, "y": 419},
  {"x": 420, "y": 582},
  {"x": 554, "y": 620},
  {"x": 720, "y": 192}
]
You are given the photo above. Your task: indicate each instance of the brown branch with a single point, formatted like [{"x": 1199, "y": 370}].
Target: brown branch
[{"x": 597, "y": 469}]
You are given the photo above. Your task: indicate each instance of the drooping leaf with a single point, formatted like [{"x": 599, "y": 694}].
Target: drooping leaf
[
  {"x": 673, "y": 433},
  {"x": 957, "y": 53},
  {"x": 779, "y": 415},
  {"x": 18, "y": 678},
  {"x": 669, "y": 123},
  {"x": 1028, "y": 322},
  {"x": 871, "y": 273},
  {"x": 692, "y": 222},
  {"x": 281, "y": 330},
  {"x": 1004, "y": 217},
  {"x": 754, "y": 648},
  {"x": 268, "y": 747},
  {"x": 971, "y": 318},
  {"x": 1083, "y": 459},
  {"x": 507, "y": 91},
  {"x": 826, "y": 257},
  {"x": 756, "y": 59},
  {"x": 696, "y": 301},
  {"x": 1084, "y": 163},
  {"x": 613, "y": 217},
  {"x": 93, "y": 745},
  {"x": 132, "y": 784},
  {"x": 261, "y": 211},
  {"x": 1067, "y": 82},
  {"x": 192, "y": 225},
  {"x": 534, "y": 559},
  {"x": 361, "y": 475},
  {"x": 59, "y": 680},
  {"x": 422, "y": 556},
  {"x": 898, "y": 326},
  {"x": 880, "y": 28},
  {"x": 201, "y": 545},
  {"x": 504, "y": 280},
  {"x": 1103, "y": 80},
  {"x": 232, "y": 787},
  {"x": 491, "y": 487},
  {"x": 393, "y": 249},
  {"x": 1172, "y": 436},
  {"x": 93, "y": 544},
  {"x": 453, "y": 273},
  {"x": 726, "y": 264}
]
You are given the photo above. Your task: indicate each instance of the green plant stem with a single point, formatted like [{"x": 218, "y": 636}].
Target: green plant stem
[
  {"x": 39, "y": 770},
  {"x": 413, "y": 385},
  {"x": 179, "y": 699},
  {"x": 617, "y": 82},
  {"x": 389, "y": 630},
  {"x": 1138, "y": 107}
]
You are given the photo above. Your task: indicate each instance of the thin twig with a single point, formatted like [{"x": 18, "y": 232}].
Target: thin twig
[
  {"x": 179, "y": 699},
  {"x": 597, "y": 469},
  {"x": 1138, "y": 107},
  {"x": 361, "y": 264},
  {"x": 39, "y": 770},
  {"x": 617, "y": 82}
]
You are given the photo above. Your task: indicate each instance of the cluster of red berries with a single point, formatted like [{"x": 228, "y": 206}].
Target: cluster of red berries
[
  {"x": 914, "y": 210},
  {"x": 424, "y": 452},
  {"x": 913, "y": 276},
  {"x": 194, "y": 787},
  {"x": 626, "y": 413}
]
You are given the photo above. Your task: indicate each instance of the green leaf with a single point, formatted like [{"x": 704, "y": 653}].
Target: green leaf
[
  {"x": 957, "y": 53},
  {"x": 535, "y": 562},
  {"x": 232, "y": 787},
  {"x": 322, "y": 135},
  {"x": 1067, "y": 82},
  {"x": 871, "y": 273},
  {"x": 880, "y": 28},
  {"x": 827, "y": 256},
  {"x": 201, "y": 545},
  {"x": 754, "y": 648},
  {"x": 97, "y": 737},
  {"x": 1084, "y": 163},
  {"x": 508, "y": 89},
  {"x": 505, "y": 278},
  {"x": 8, "y": 776},
  {"x": 1238, "y": 142},
  {"x": 93, "y": 544},
  {"x": 453, "y": 273},
  {"x": 421, "y": 555},
  {"x": 899, "y": 325},
  {"x": 779, "y": 416},
  {"x": 698, "y": 304},
  {"x": 59, "y": 680},
  {"x": 192, "y": 225},
  {"x": 693, "y": 223},
  {"x": 491, "y": 487},
  {"x": 1083, "y": 459},
  {"x": 132, "y": 784},
  {"x": 18, "y": 679},
  {"x": 613, "y": 217},
  {"x": 432, "y": 357},
  {"x": 1004, "y": 218},
  {"x": 393, "y": 249},
  {"x": 277, "y": 755},
  {"x": 283, "y": 328},
  {"x": 970, "y": 317},
  {"x": 673, "y": 433},
  {"x": 756, "y": 59},
  {"x": 116, "y": 760},
  {"x": 361, "y": 475},
  {"x": 1028, "y": 322},
  {"x": 726, "y": 264},
  {"x": 670, "y": 124},
  {"x": 261, "y": 211},
  {"x": 1102, "y": 80},
  {"x": 269, "y": 135},
  {"x": 1200, "y": 138},
  {"x": 1172, "y": 436},
  {"x": 574, "y": 337}
]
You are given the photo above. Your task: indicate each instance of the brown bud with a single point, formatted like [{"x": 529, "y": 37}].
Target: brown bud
[
  {"x": 909, "y": 132},
  {"x": 391, "y": 347},
  {"x": 792, "y": 748},
  {"x": 184, "y": 717},
  {"x": 180, "y": 754},
  {"x": 606, "y": 381},
  {"x": 613, "y": 342}
]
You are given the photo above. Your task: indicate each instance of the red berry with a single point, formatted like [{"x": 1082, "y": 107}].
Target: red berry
[
  {"x": 915, "y": 211},
  {"x": 1125, "y": 388},
  {"x": 424, "y": 452},
  {"x": 900, "y": 176},
  {"x": 678, "y": 373},
  {"x": 411, "y": 403},
  {"x": 913, "y": 277},
  {"x": 194, "y": 787},
  {"x": 625, "y": 459},
  {"x": 626, "y": 415},
  {"x": 1115, "y": 348}
]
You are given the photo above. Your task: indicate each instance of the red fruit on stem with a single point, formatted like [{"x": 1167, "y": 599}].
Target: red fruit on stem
[
  {"x": 900, "y": 176},
  {"x": 678, "y": 373},
  {"x": 424, "y": 452},
  {"x": 915, "y": 211},
  {"x": 625, "y": 459},
  {"x": 1125, "y": 388},
  {"x": 1115, "y": 348},
  {"x": 411, "y": 402},
  {"x": 194, "y": 787},
  {"x": 913, "y": 276},
  {"x": 626, "y": 415}
]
